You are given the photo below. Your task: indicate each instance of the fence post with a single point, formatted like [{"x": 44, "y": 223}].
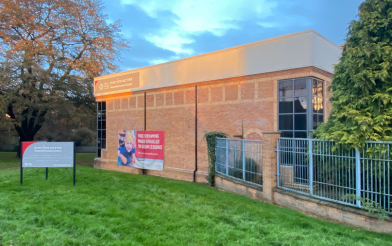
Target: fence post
[
  {"x": 227, "y": 157},
  {"x": 358, "y": 176},
  {"x": 235, "y": 153},
  {"x": 270, "y": 164},
  {"x": 243, "y": 159},
  {"x": 310, "y": 145}
]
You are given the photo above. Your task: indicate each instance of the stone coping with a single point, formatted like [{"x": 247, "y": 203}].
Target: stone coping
[
  {"x": 240, "y": 182},
  {"x": 319, "y": 201}
]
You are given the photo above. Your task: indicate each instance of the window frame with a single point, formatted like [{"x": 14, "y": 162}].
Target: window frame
[
  {"x": 101, "y": 131},
  {"x": 309, "y": 105}
]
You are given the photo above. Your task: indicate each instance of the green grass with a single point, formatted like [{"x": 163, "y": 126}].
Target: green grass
[{"x": 112, "y": 208}]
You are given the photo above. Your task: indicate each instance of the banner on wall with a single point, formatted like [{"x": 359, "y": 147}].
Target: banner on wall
[{"x": 141, "y": 149}]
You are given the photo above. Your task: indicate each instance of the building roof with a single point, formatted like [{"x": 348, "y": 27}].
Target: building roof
[{"x": 301, "y": 49}]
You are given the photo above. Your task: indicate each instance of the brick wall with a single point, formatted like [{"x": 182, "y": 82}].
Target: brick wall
[{"x": 223, "y": 105}]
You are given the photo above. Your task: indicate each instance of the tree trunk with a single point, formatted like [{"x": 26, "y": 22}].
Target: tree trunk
[{"x": 29, "y": 124}]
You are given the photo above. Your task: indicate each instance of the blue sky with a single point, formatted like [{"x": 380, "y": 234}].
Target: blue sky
[{"x": 165, "y": 30}]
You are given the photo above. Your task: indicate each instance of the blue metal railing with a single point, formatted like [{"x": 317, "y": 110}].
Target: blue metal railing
[
  {"x": 325, "y": 170},
  {"x": 240, "y": 159}
]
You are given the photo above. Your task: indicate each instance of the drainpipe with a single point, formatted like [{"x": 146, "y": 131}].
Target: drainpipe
[
  {"x": 194, "y": 172},
  {"x": 145, "y": 123}
]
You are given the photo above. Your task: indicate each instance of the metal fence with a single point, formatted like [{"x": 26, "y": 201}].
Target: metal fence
[
  {"x": 325, "y": 170},
  {"x": 240, "y": 159}
]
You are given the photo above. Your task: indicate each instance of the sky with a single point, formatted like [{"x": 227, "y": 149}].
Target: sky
[{"x": 160, "y": 31}]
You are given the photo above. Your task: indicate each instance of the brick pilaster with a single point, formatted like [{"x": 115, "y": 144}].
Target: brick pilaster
[{"x": 269, "y": 165}]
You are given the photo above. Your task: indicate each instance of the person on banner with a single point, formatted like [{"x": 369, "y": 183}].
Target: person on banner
[{"x": 126, "y": 154}]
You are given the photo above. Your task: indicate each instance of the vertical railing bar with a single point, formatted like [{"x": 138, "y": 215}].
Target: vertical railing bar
[
  {"x": 227, "y": 157},
  {"x": 235, "y": 156},
  {"x": 358, "y": 176},
  {"x": 389, "y": 182},
  {"x": 367, "y": 174},
  {"x": 371, "y": 179},
  {"x": 349, "y": 173},
  {"x": 379, "y": 177},
  {"x": 310, "y": 146},
  {"x": 384, "y": 158},
  {"x": 243, "y": 160}
]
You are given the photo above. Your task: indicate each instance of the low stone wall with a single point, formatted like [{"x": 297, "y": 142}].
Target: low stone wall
[{"x": 318, "y": 208}]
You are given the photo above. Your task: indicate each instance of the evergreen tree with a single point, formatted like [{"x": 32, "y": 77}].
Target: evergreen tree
[{"x": 362, "y": 82}]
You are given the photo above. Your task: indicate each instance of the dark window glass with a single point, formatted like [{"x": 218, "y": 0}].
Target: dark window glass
[
  {"x": 300, "y": 105},
  {"x": 101, "y": 127},
  {"x": 300, "y": 87},
  {"x": 286, "y": 105},
  {"x": 320, "y": 118},
  {"x": 285, "y": 134},
  {"x": 300, "y": 122},
  {"x": 315, "y": 123},
  {"x": 286, "y": 88},
  {"x": 286, "y": 122},
  {"x": 300, "y": 135}
]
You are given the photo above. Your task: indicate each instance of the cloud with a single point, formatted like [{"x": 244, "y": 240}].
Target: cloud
[
  {"x": 171, "y": 40},
  {"x": 216, "y": 16},
  {"x": 195, "y": 17}
]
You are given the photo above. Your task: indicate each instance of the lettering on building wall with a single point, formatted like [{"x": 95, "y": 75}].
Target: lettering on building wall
[{"x": 116, "y": 84}]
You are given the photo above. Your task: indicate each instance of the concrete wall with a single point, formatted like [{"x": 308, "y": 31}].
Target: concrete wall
[{"x": 297, "y": 50}]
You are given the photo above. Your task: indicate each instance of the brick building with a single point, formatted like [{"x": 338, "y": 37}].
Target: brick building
[{"x": 277, "y": 84}]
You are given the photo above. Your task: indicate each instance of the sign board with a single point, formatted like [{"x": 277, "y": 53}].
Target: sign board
[
  {"x": 47, "y": 154},
  {"x": 141, "y": 149},
  {"x": 117, "y": 84}
]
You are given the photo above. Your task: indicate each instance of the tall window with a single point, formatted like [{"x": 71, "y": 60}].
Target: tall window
[
  {"x": 300, "y": 106},
  {"x": 101, "y": 127}
]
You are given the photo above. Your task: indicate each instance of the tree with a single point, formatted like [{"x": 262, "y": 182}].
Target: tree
[
  {"x": 49, "y": 51},
  {"x": 362, "y": 81}
]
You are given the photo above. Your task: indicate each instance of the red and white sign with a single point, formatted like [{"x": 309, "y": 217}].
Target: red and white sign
[{"x": 149, "y": 144}]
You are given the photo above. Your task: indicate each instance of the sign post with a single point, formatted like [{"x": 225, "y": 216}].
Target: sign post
[
  {"x": 47, "y": 154},
  {"x": 21, "y": 166},
  {"x": 74, "y": 165}
]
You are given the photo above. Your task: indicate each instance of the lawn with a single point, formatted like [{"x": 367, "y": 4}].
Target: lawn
[{"x": 112, "y": 208}]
